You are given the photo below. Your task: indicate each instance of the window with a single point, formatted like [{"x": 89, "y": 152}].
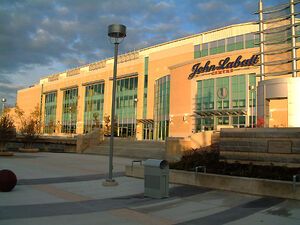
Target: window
[
  {"x": 222, "y": 93},
  {"x": 50, "y": 113},
  {"x": 162, "y": 107},
  {"x": 251, "y": 39},
  {"x": 208, "y": 94},
  {"x": 197, "y": 53},
  {"x": 126, "y": 106},
  {"x": 204, "y": 50},
  {"x": 69, "y": 111},
  {"x": 199, "y": 95},
  {"x": 238, "y": 91},
  {"x": 238, "y": 121}
]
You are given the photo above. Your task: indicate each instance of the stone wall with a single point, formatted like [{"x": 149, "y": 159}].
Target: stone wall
[
  {"x": 261, "y": 144},
  {"x": 175, "y": 146},
  {"x": 90, "y": 139}
]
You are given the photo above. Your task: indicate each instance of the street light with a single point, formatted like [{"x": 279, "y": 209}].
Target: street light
[
  {"x": 117, "y": 33},
  {"x": 70, "y": 118},
  {"x": 251, "y": 89},
  {"x": 135, "y": 114},
  {"x": 3, "y": 100}
]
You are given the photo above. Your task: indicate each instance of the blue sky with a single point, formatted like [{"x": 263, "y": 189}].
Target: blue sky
[{"x": 42, "y": 37}]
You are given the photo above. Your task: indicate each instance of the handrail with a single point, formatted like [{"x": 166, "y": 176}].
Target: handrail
[
  {"x": 135, "y": 161},
  {"x": 295, "y": 181},
  {"x": 197, "y": 168}
]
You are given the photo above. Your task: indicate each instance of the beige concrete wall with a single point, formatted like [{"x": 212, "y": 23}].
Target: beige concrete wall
[
  {"x": 175, "y": 147},
  {"x": 264, "y": 187}
]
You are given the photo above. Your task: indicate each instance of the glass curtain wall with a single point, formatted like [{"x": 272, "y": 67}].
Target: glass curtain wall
[
  {"x": 238, "y": 91},
  {"x": 205, "y": 101},
  {"x": 126, "y": 106},
  {"x": 206, "y": 91},
  {"x": 69, "y": 111},
  {"x": 162, "y": 107},
  {"x": 227, "y": 45},
  {"x": 252, "y": 101},
  {"x": 93, "y": 110},
  {"x": 50, "y": 113}
]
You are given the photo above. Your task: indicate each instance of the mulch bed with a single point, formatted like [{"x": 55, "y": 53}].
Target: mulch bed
[{"x": 210, "y": 159}]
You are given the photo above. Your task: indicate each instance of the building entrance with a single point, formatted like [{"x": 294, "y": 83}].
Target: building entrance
[
  {"x": 148, "y": 131},
  {"x": 278, "y": 113}
]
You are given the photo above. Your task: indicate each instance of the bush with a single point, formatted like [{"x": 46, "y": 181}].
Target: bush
[
  {"x": 196, "y": 157},
  {"x": 210, "y": 159}
]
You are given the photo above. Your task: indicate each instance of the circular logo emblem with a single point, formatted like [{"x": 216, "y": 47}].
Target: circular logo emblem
[{"x": 222, "y": 92}]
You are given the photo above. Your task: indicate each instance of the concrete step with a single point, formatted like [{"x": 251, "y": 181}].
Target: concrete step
[{"x": 144, "y": 153}]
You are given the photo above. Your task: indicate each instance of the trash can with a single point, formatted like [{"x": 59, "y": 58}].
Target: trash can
[{"x": 156, "y": 178}]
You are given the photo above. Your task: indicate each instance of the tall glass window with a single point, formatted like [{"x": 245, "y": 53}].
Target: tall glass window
[
  {"x": 145, "y": 88},
  {"x": 93, "y": 107},
  {"x": 126, "y": 97},
  {"x": 204, "y": 124},
  {"x": 69, "y": 111},
  {"x": 217, "y": 47},
  {"x": 235, "y": 43},
  {"x": 204, "y": 50},
  {"x": 199, "y": 95},
  {"x": 252, "y": 82},
  {"x": 222, "y": 93},
  {"x": 251, "y": 39},
  {"x": 162, "y": 107},
  {"x": 208, "y": 94},
  {"x": 197, "y": 52},
  {"x": 50, "y": 113},
  {"x": 238, "y": 121},
  {"x": 238, "y": 91}
]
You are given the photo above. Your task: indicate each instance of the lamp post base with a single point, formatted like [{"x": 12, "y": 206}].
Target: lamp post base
[{"x": 110, "y": 183}]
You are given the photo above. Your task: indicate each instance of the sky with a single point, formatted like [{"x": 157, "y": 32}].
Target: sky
[{"x": 43, "y": 37}]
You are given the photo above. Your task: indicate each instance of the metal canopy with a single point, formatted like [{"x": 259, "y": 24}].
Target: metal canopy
[
  {"x": 223, "y": 112},
  {"x": 145, "y": 121}
]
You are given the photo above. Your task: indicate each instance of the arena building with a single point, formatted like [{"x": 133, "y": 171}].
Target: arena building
[{"x": 173, "y": 89}]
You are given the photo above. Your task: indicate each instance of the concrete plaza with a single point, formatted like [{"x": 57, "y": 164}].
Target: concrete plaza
[{"x": 61, "y": 188}]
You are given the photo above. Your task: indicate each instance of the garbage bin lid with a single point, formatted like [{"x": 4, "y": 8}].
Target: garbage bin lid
[{"x": 162, "y": 164}]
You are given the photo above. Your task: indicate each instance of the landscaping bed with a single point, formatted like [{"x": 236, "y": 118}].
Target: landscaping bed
[{"x": 210, "y": 159}]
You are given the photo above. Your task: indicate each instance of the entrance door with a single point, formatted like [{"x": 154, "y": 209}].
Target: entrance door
[
  {"x": 278, "y": 112},
  {"x": 147, "y": 131}
]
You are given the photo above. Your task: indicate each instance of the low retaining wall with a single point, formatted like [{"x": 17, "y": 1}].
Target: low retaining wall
[
  {"x": 176, "y": 146},
  {"x": 264, "y": 187},
  {"x": 45, "y": 144},
  {"x": 261, "y": 144}
]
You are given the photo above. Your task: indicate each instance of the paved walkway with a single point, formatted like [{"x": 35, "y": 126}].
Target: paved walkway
[{"x": 59, "y": 188}]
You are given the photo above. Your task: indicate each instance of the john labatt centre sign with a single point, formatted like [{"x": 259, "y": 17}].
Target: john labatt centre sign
[{"x": 225, "y": 65}]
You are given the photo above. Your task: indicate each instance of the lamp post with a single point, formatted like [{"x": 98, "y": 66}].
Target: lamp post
[
  {"x": 70, "y": 118},
  {"x": 116, "y": 32},
  {"x": 3, "y": 100},
  {"x": 251, "y": 89},
  {"x": 135, "y": 106}
]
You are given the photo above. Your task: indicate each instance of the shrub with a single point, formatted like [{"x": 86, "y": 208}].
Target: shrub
[
  {"x": 197, "y": 157},
  {"x": 7, "y": 129}
]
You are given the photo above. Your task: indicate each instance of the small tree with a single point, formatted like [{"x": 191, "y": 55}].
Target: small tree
[
  {"x": 7, "y": 129},
  {"x": 30, "y": 127},
  {"x": 106, "y": 125},
  {"x": 96, "y": 121}
]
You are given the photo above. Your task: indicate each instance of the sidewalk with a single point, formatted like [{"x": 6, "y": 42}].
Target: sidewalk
[{"x": 60, "y": 188}]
